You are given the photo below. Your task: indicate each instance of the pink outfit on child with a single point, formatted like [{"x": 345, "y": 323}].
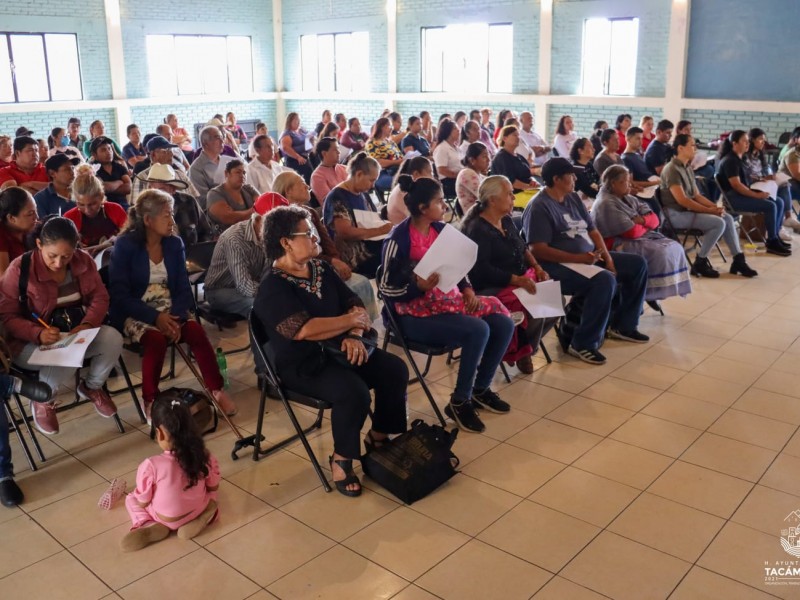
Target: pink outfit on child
[{"x": 160, "y": 483}]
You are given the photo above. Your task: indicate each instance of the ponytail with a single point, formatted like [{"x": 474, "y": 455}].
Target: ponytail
[{"x": 187, "y": 445}]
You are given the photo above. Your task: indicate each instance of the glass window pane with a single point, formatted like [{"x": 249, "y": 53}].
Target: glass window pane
[
  {"x": 62, "y": 60},
  {"x": 327, "y": 63},
  {"x": 344, "y": 62},
  {"x": 6, "y": 83},
  {"x": 359, "y": 57},
  {"x": 240, "y": 64},
  {"x": 161, "y": 73},
  {"x": 432, "y": 59},
  {"x": 29, "y": 68},
  {"x": 596, "y": 42},
  {"x": 624, "y": 44},
  {"x": 501, "y": 51},
  {"x": 191, "y": 70},
  {"x": 309, "y": 62},
  {"x": 214, "y": 61}
]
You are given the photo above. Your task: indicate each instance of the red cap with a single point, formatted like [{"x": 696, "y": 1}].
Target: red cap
[{"x": 266, "y": 202}]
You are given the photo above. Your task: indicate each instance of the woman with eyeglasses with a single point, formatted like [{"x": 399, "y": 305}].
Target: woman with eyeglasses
[{"x": 302, "y": 301}]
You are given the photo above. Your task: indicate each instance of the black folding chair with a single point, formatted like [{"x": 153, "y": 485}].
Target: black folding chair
[
  {"x": 15, "y": 424},
  {"x": 740, "y": 215},
  {"x": 265, "y": 367},
  {"x": 668, "y": 229}
]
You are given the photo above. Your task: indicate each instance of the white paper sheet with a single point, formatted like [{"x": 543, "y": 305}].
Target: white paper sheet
[
  {"x": 69, "y": 352},
  {"x": 699, "y": 161},
  {"x": 546, "y": 302},
  {"x": 649, "y": 192},
  {"x": 587, "y": 271},
  {"x": 782, "y": 178},
  {"x": 369, "y": 219},
  {"x": 452, "y": 256},
  {"x": 411, "y": 154},
  {"x": 766, "y": 186}
]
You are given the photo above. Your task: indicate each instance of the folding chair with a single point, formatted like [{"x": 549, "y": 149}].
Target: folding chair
[
  {"x": 675, "y": 232},
  {"x": 739, "y": 215},
  {"x": 265, "y": 367},
  {"x": 14, "y": 424}
]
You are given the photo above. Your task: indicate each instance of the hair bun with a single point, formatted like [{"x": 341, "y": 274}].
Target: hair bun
[{"x": 406, "y": 183}]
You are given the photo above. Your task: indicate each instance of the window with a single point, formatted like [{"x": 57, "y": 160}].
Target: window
[
  {"x": 199, "y": 64},
  {"x": 473, "y": 57},
  {"x": 335, "y": 62},
  {"x": 609, "y": 57},
  {"x": 39, "y": 67}
]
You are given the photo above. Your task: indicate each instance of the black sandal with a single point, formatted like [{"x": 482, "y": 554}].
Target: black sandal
[
  {"x": 350, "y": 477},
  {"x": 371, "y": 443}
]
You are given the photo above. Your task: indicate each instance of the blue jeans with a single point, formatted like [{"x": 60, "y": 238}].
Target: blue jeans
[
  {"x": 6, "y": 468},
  {"x": 384, "y": 181},
  {"x": 772, "y": 216},
  {"x": 230, "y": 300},
  {"x": 712, "y": 226},
  {"x": 599, "y": 309},
  {"x": 483, "y": 343}
]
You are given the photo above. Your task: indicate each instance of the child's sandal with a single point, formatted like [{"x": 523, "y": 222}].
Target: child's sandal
[{"x": 350, "y": 477}]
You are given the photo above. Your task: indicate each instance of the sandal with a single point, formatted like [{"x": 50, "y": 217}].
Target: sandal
[
  {"x": 370, "y": 443},
  {"x": 350, "y": 477}
]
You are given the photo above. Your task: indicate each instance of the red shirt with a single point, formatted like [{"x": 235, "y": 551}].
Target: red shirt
[
  {"x": 623, "y": 143},
  {"x": 12, "y": 171},
  {"x": 112, "y": 220},
  {"x": 11, "y": 244}
]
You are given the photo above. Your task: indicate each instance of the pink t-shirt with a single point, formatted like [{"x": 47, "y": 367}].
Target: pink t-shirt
[
  {"x": 420, "y": 244},
  {"x": 324, "y": 179}
]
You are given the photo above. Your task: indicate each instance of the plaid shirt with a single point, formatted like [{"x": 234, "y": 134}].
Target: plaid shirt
[{"x": 238, "y": 261}]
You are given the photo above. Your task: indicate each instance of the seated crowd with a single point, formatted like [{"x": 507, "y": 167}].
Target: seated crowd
[{"x": 298, "y": 238}]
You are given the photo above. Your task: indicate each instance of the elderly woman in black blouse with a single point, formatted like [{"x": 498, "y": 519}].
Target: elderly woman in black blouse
[
  {"x": 302, "y": 301},
  {"x": 504, "y": 264}
]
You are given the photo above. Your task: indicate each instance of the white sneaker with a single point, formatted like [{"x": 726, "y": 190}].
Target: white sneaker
[
  {"x": 792, "y": 223},
  {"x": 785, "y": 234}
]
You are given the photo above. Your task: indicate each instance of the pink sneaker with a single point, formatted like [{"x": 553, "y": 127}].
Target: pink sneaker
[
  {"x": 225, "y": 403},
  {"x": 103, "y": 403},
  {"x": 44, "y": 417}
]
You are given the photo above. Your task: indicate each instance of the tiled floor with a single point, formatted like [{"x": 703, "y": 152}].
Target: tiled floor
[{"x": 666, "y": 473}]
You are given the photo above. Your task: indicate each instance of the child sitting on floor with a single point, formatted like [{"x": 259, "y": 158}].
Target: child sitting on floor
[{"x": 177, "y": 489}]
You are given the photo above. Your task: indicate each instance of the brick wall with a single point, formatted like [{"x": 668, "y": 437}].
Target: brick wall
[
  {"x": 325, "y": 16},
  {"x": 568, "y": 18},
  {"x": 89, "y": 24},
  {"x": 584, "y": 117},
  {"x": 708, "y": 124},
  {"x": 42, "y": 122},
  {"x": 412, "y": 15},
  {"x": 142, "y": 17},
  {"x": 310, "y": 111}
]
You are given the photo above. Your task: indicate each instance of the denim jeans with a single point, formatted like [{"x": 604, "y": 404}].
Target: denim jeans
[
  {"x": 773, "y": 217},
  {"x": 230, "y": 300},
  {"x": 483, "y": 343},
  {"x": 384, "y": 181},
  {"x": 599, "y": 309},
  {"x": 6, "y": 468},
  {"x": 712, "y": 226}
]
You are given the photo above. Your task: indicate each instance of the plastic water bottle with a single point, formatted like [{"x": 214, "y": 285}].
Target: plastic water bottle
[{"x": 222, "y": 363}]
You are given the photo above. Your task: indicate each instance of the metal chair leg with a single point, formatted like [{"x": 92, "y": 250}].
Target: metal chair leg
[
  {"x": 12, "y": 421},
  {"x": 420, "y": 377},
  {"x": 545, "y": 352},
  {"x": 132, "y": 389},
  {"x": 26, "y": 422},
  {"x": 505, "y": 372}
]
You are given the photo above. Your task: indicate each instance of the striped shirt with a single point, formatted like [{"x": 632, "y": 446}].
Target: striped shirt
[{"x": 238, "y": 261}]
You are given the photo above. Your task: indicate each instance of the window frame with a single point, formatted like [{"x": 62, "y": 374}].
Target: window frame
[
  {"x": 42, "y": 35},
  {"x": 227, "y": 63},
  {"x": 332, "y": 34},
  {"x": 608, "y": 70},
  {"x": 486, "y": 74}
]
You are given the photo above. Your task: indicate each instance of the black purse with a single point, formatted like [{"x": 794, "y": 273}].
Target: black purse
[
  {"x": 415, "y": 463},
  {"x": 332, "y": 349},
  {"x": 203, "y": 414}
]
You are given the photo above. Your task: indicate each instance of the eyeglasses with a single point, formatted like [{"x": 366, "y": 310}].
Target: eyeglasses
[{"x": 311, "y": 233}]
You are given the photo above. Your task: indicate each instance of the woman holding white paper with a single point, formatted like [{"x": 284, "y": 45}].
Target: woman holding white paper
[
  {"x": 340, "y": 209},
  {"x": 65, "y": 293},
  {"x": 480, "y": 325},
  {"x": 505, "y": 264}
]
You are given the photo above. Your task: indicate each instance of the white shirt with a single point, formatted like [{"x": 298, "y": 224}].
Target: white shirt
[
  {"x": 531, "y": 139},
  {"x": 396, "y": 208},
  {"x": 563, "y": 143},
  {"x": 261, "y": 177},
  {"x": 447, "y": 156}
]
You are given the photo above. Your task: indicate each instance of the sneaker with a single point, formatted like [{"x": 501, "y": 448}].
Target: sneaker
[
  {"x": 786, "y": 234},
  {"x": 10, "y": 494},
  {"x": 635, "y": 336},
  {"x": 44, "y": 417},
  {"x": 465, "y": 416},
  {"x": 489, "y": 400},
  {"x": 225, "y": 403},
  {"x": 593, "y": 357},
  {"x": 792, "y": 223},
  {"x": 103, "y": 403}
]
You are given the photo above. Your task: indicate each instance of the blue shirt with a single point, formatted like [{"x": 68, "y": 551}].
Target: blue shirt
[
  {"x": 419, "y": 143},
  {"x": 637, "y": 166},
  {"x": 129, "y": 151},
  {"x": 48, "y": 202},
  {"x": 561, "y": 225},
  {"x": 657, "y": 155}
]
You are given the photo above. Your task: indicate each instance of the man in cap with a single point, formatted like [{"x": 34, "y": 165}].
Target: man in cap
[
  {"x": 56, "y": 198},
  {"x": 113, "y": 174},
  {"x": 563, "y": 238},
  {"x": 159, "y": 151},
  {"x": 76, "y": 138},
  {"x": 25, "y": 170}
]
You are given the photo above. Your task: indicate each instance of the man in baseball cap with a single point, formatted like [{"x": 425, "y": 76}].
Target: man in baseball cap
[
  {"x": 159, "y": 152},
  {"x": 563, "y": 238},
  {"x": 22, "y": 131},
  {"x": 56, "y": 198}
]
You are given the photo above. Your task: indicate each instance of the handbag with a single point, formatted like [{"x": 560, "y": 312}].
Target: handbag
[
  {"x": 332, "y": 349},
  {"x": 201, "y": 408},
  {"x": 415, "y": 463},
  {"x": 64, "y": 318}
]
